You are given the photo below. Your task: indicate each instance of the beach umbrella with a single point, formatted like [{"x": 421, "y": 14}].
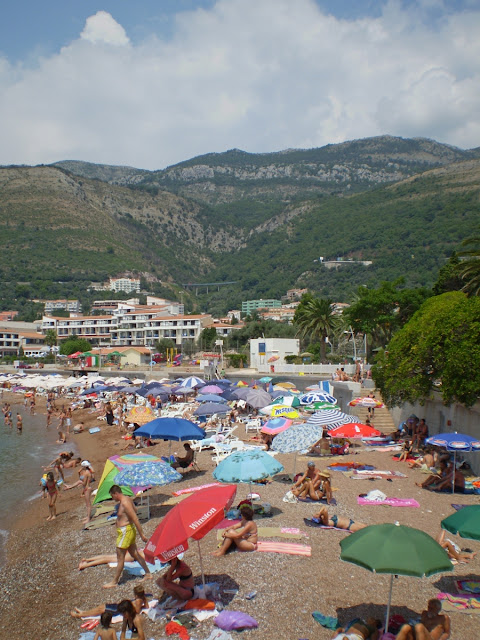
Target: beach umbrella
[
  {"x": 317, "y": 396},
  {"x": 465, "y": 522},
  {"x": 320, "y": 406},
  {"x": 265, "y": 379},
  {"x": 108, "y": 479},
  {"x": 287, "y": 401},
  {"x": 183, "y": 391},
  {"x": 280, "y": 393},
  {"x": 228, "y": 395},
  {"x": 193, "y": 382},
  {"x": 246, "y": 467},
  {"x": 279, "y": 410},
  {"x": 273, "y": 358},
  {"x": 276, "y": 425},
  {"x": 298, "y": 437},
  {"x": 285, "y": 384},
  {"x": 396, "y": 550},
  {"x": 212, "y": 388},
  {"x": 209, "y": 408},
  {"x": 330, "y": 418},
  {"x": 151, "y": 473},
  {"x": 257, "y": 398},
  {"x": 240, "y": 383},
  {"x": 369, "y": 403},
  {"x": 210, "y": 397},
  {"x": 193, "y": 517},
  {"x": 354, "y": 430},
  {"x": 454, "y": 442},
  {"x": 140, "y": 415},
  {"x": 130, "y": 389},
  {"x": 241, "y": 393},
  {"x": 177, "y": 429}
]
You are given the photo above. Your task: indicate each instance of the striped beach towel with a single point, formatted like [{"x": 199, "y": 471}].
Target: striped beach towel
[{"x": 290, "y": 548}]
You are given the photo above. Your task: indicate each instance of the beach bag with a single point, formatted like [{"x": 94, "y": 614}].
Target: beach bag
[
  {"x": 233, "y": 620},
  {"x": 289, "y": 497}
]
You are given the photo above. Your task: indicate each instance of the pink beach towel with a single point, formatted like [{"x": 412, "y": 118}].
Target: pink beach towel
[
  {"x": 193, "y": 489},
  {"x": 289, "y": 548},
  {"x": 391, "y": 502}
]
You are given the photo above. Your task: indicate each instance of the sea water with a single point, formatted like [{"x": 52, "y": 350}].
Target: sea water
[{"x": 22, "y": 456}]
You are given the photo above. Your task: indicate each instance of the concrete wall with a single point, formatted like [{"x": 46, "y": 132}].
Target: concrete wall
[{"x": 437, "y": 417}]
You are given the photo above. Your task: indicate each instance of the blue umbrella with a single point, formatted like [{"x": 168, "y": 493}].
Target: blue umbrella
[
  {"x": 144, "y": 474},
  {"x": 241, "y": 393},
  {"x": 210, "y": 397},
  {"x": 193, "y": 382},
  {"x": 228, "y": 394},
  {"x": 454, "y": 442},
  {"x": 317, "y": 396},
  {"x": 171, "y": 429},
  {"x": 183, "y": 391},
  {"x": 247, "y": 466},
  {"x": 209, "y": 408},
  {"x": 298, "y": 437}
]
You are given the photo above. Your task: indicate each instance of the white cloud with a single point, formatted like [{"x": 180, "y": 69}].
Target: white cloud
[
  {"x": 103, "y": 28},
  {"x": 255, "y": 75}
]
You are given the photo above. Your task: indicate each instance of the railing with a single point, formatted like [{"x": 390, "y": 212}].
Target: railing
[{"x": 318, "y": 369}]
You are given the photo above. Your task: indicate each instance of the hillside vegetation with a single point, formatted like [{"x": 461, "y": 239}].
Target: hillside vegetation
[{"x": 58, "y": 225}]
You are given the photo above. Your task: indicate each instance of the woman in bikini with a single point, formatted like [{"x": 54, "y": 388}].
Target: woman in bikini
[
  {"x": 86, "y": 480},
  {"x": 184, "y": 588},
  {"x": 244, "y": 534},
  {"x": 52, "y": 491},
  {"x": 131, "y": 620},
  {"x": 338, "y": 522}
]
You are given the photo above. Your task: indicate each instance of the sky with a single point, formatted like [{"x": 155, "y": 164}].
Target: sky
[{"x": 149, "y": 83}]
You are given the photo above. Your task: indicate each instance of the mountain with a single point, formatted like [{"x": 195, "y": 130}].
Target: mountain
[{"x": 264, "y": 229}]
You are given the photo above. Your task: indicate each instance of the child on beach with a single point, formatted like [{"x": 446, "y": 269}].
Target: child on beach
[
  {"x": 105, "y": 633},
  {"x": 52, "y": 490}
]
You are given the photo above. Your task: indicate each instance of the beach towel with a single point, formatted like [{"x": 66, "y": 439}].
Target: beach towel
[
  {"x": 324, "y": 499},
  {"x": 94, "y": 430},
  {"x": 288, "y": 548},
  {"x": 471, "y": 586},
  {"x": 274, "y": 532},
  {"x": 390, "y": 502},
  {"x": 326, "y": 621},
  {"x": 365, "y": 474},
  {"x": 312, "y": 523},
  {"x": 460, "y": 603},
  {"x": 134, "y": 569},
  {"x": 193, "y": 489}
]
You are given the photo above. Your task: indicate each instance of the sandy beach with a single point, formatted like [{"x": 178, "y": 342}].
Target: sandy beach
[{"x": 42, "y": 583}]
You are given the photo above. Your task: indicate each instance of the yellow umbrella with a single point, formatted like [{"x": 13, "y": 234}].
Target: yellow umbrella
[
  {"x": 140, "y": 415},
  {"x": 278, "y": 410},
  {"x": 285, "y": 385}
]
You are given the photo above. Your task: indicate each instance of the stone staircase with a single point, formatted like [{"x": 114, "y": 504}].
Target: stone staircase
[{"x": 381, "y": 420}]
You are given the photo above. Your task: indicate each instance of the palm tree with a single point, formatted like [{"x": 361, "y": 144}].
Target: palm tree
[
  {"x": 470, "y": 267},
  {"x": 314, "y": 318},
  {"x": 51, "y": 340}
]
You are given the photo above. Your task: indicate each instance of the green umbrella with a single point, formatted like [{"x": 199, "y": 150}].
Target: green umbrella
[
  {"x": 107, "y": 481},
  {"x": 397, "y": 550},
  {"x": 465, "y": 522},
  {"x": 320, "y": 406},
  {"x": 87, "y": 354}
]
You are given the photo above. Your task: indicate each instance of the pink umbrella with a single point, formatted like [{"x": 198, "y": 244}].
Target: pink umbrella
[
  {"x": 276, "y": 425},
  {"x": 212, "y": 388}
]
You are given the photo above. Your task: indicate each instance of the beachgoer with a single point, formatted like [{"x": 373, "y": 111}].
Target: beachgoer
[
  {"x": 131, "y": 620},
  {"x": 62, "y": 437},
  {"x": 359, "y": 630},
  {"x": 339, "y": 522},
  {"x": 435, "y": 478},
  {"x": 57, "y": 466},
  {"x": 19, "y": 423},
  {"x": 187, "y": 460},
  {"x": 425, "y": 462},
  {"x": 302, "y": 484},
  {"x": 52, "y": 490},
  {"x": 433, "y": 625},
  {"x": 68, "y": 419},
  {"x": 105, "y": 558},
  {"x": 85, "y": 479},
  {"x": 184, "y": 588},
  {"x": 323, "y": 489},
  {"x": 105, "y": 632},
  {"x": 453, "y": 550},
  {"x": 110, "y": 418},
  {"x": 127, "y": 526},
  {"x": 421, "y": 432},
  {"x": 139, "y": 602},
  {"x": 244, "y": 534},
  {"x": 322, "y": 446},
  {"x": 79, "y": 428},
  {"x": 454, "y": 476},
  {"x": 71, "y": 463}
]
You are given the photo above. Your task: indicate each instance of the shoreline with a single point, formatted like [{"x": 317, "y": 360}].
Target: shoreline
[{"x": 42, "y": 580}]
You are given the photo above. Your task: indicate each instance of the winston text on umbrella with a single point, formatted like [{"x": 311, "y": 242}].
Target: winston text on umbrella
[{"x": 201, "y": 520}]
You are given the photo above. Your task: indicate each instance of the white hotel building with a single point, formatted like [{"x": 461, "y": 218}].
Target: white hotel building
[{"x": 123, "y": 328}]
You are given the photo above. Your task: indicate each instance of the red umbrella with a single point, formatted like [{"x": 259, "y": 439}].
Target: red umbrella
[
  {"x": 354, "y": 430},
  {"x": 193, "y": 518}
]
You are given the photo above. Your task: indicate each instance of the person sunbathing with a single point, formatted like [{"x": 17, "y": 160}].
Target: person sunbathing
[
  {"x": 456, "y": 478},
  {"x": 435, "y": 478},
  {"x": 244, "y": 534},
  {"x": 359, "y": 630},
  {"x": 425, "y": 462},
  {"x": 433, "y": 625},
  {"x": 321, "y": 447},
  {"x": 453, "y": 550},
  {"x": 178, "y": 581},
  {"x": 139, "y": 602},
  {"x": 339, "y": 522},
  {"x": 317, "y": 489},
  {"x": 302, "y": 484},
  {"x": 105, "y": 558}
]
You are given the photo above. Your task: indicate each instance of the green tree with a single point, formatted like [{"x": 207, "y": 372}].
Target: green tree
[
  {"x": 449, "y": 278},
  {"x": 315, "y": 319},
  {"x": 163, "y": 344},
  {"x": 438, "y": 348},
  {"x": 207, "y": 338},
  {"x": 74, "y": 344},
  {"x": 470, "y": 267},
  {"x": 51, "y": 338}
]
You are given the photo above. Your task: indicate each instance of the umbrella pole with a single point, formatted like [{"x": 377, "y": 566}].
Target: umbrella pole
[
  {"x": 389, "y": 603},
  {"x": 201, "y": 566},
  {"x": 294, "y": 466},
  {"x": 454, "y": 469}
]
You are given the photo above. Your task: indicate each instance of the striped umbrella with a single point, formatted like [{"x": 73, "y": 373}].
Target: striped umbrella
[
  {"x": 298, "y": 437},
  {"x": 193, "y": 382},
  {"x": 330, "y": 418}
]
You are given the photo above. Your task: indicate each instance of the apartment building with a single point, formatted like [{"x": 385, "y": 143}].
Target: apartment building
[
  {"x": 26, "y": 338},
  {"x": 124, "y": 284},
  {"x": 51, "y": 306},
  {"x": 252, "y": 305}
]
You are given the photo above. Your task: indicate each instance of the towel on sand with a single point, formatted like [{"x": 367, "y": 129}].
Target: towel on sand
[
  {"x": 326, "y": 621},
  {"x": 391, "y": 502},
  {"x": 133, "y": 568},
  {"x": 471, "y": 586},
  {"x": 274, "y": 532},
  {"x": 460, "y": 603},
  {"x": 288, "y": 548}
]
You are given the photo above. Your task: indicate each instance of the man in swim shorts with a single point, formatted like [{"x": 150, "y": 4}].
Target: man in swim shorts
[
  {"x": 127, "y": 527},
  {"x": 433, "y": 625}
]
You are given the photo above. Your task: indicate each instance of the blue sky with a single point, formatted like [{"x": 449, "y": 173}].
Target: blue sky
[{"x": 152, "y": 82}]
